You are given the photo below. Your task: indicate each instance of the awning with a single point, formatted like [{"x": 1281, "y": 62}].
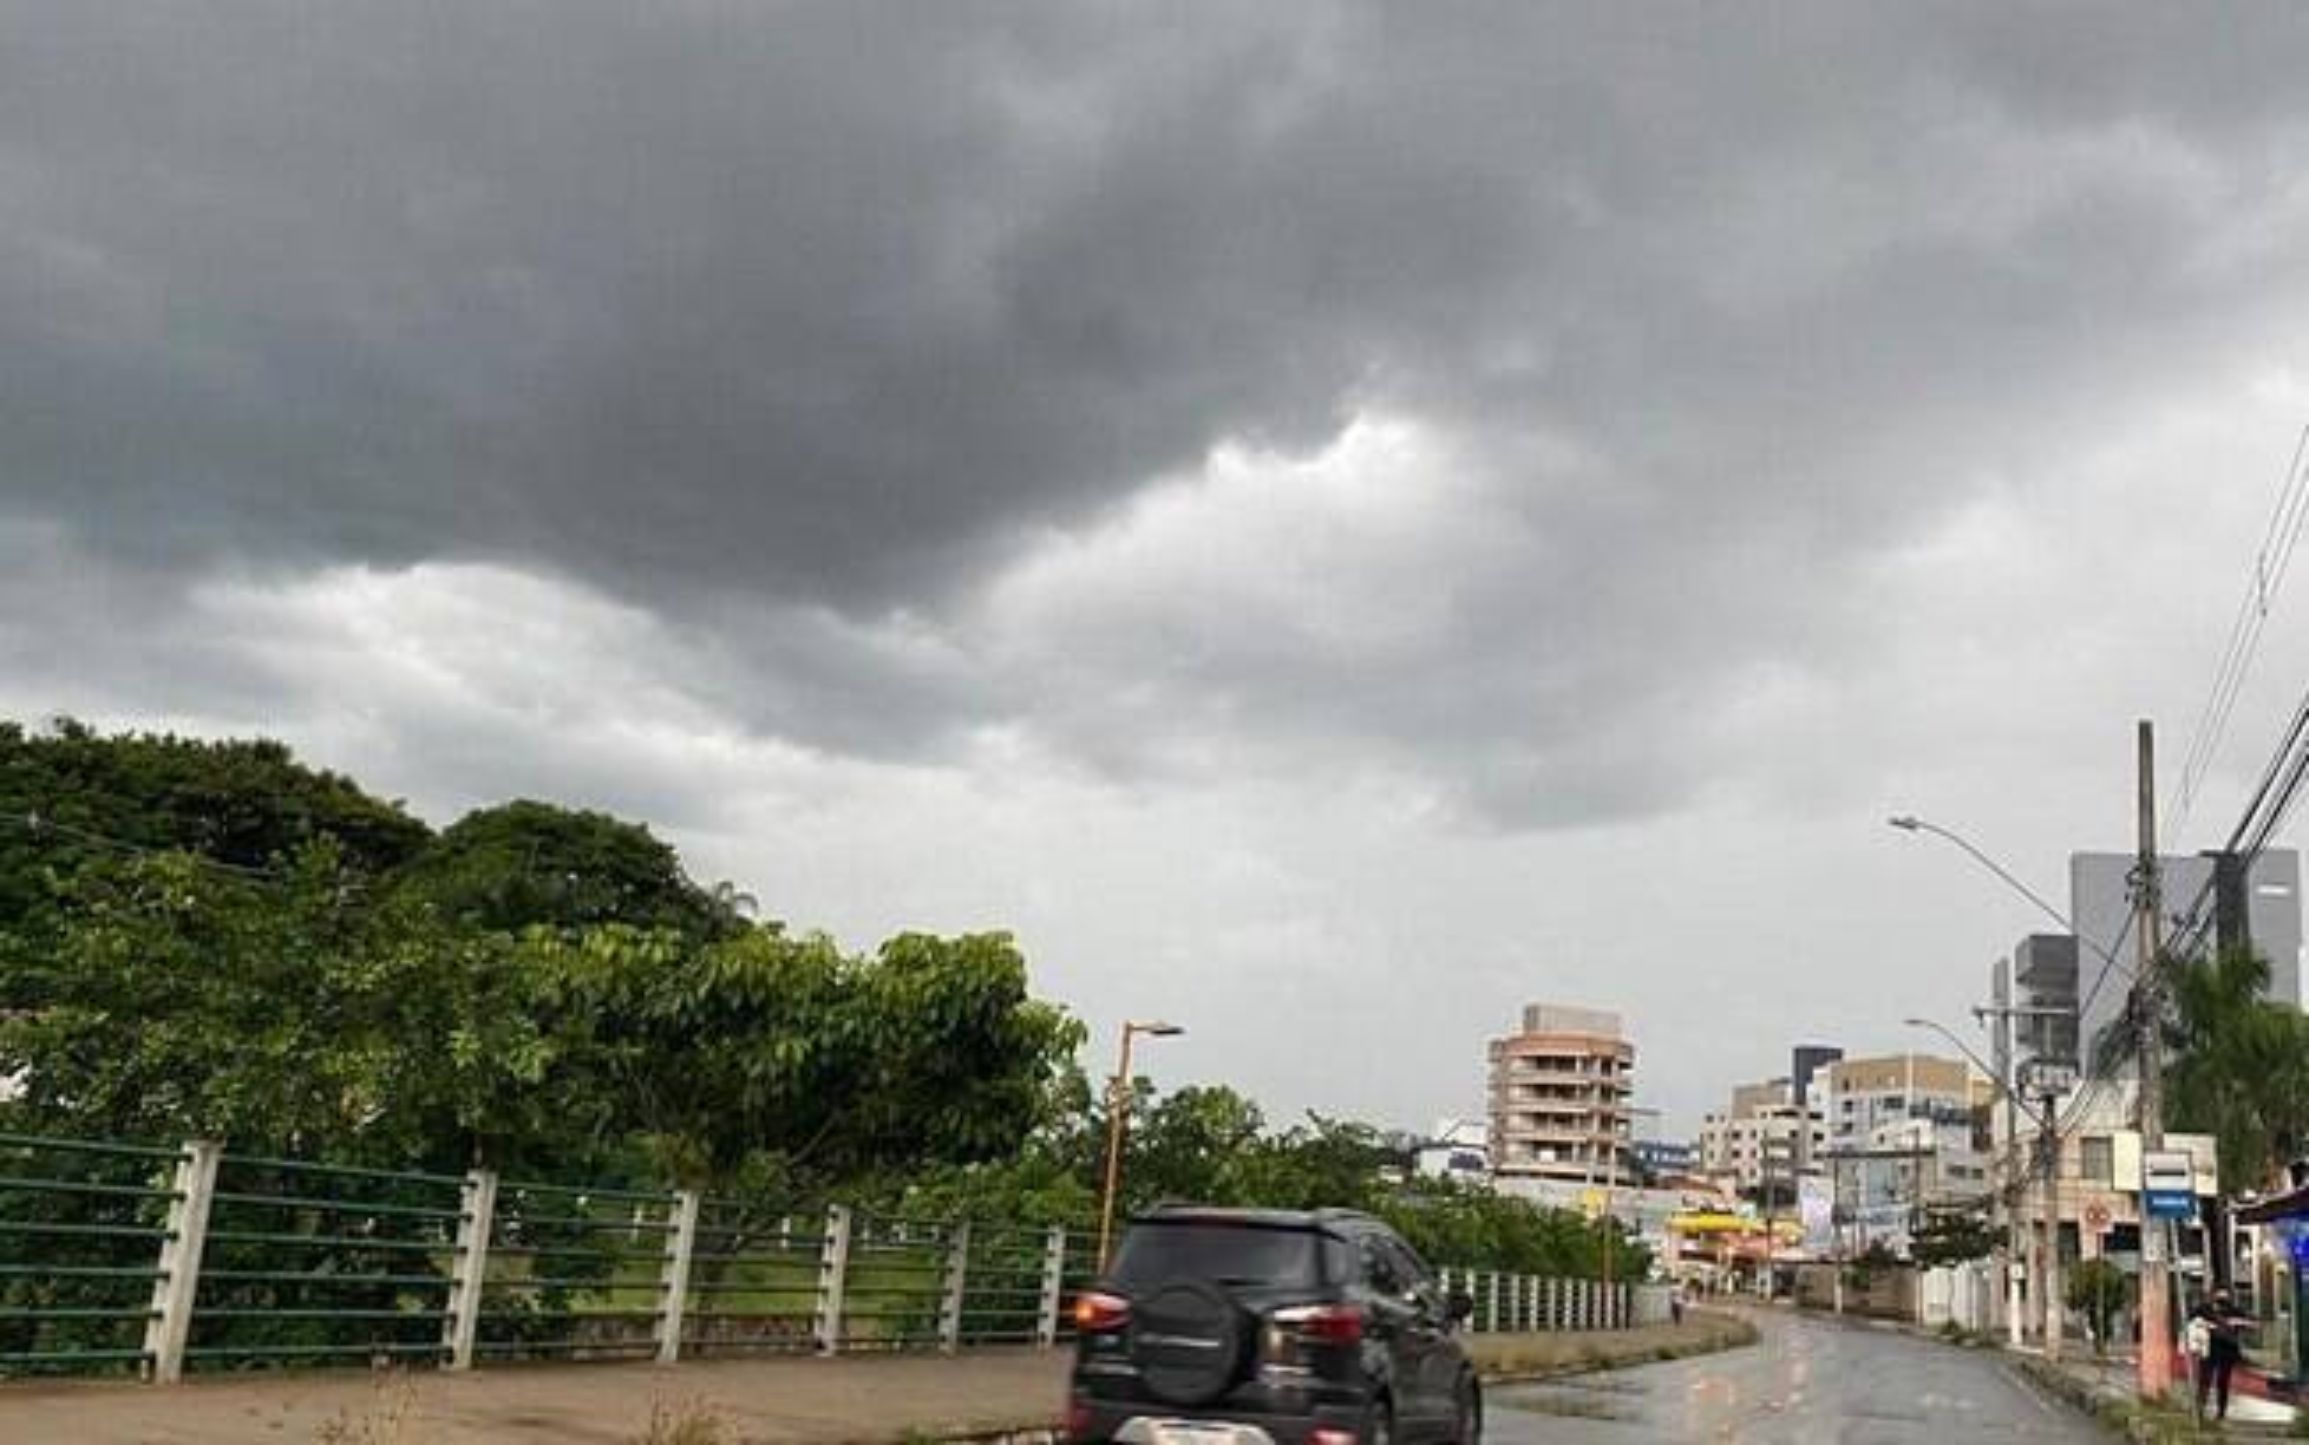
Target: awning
[{"x": 2276, "y": 1207}]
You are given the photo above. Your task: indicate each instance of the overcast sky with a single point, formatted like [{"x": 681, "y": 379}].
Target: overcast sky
[{"x": 1330, "y": 521}]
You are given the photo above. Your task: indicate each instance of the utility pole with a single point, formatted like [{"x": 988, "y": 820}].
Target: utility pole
[
  {"x": 2156, "y": 1371},
  {"x": 1764, "y": 1149},
  {"x": 2048, "y": 1139},
  {"x": 2015, "y": 1194}
]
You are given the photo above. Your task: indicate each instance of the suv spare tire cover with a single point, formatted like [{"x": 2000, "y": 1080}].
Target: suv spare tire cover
[{"x": 1187, "y": 1340}]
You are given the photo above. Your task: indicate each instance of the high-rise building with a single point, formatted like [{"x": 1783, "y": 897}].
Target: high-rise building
[
  {"x": 2045, "y": 977},
  {"x": 1804, "y": 1067},
  {"x": 2258, "y": 907},
  {"x": 1560, "y": 1089}
]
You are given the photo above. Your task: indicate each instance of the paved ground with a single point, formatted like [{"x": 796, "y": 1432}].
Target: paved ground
[
  {"x": 773, "y": 1402},
  {"x": 1806, "y": 1381}
]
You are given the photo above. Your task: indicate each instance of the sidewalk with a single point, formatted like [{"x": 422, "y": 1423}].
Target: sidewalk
[
  {"x": 850, "y": 1401},
  {"x": 2107, "y": 1388}
]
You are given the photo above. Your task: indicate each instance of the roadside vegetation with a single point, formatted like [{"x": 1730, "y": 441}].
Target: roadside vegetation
[{"x": 210, "y": 939}]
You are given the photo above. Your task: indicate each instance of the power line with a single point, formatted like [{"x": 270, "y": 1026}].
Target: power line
[
  {"x": 37, "y": 823},
  {"x": 2271, "y": 562}
]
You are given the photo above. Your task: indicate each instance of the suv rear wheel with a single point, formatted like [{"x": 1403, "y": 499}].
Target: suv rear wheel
[{"x": 1467, "y": 1413}]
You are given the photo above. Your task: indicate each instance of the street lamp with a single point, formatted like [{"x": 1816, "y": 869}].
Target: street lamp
[
  {"x": 1910, "y": 823},
  {"x": 1117, "y": 1115},
  {"x": 2049, "y": 1250}
]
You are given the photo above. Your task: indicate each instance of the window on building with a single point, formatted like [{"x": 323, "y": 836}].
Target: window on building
[{"x": 2096, "y": 1159}]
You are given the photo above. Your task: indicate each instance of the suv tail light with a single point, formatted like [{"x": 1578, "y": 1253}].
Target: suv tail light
[
  {"x": 1323, "y": 1324},
  {"x": 1097, "y": 1313}
]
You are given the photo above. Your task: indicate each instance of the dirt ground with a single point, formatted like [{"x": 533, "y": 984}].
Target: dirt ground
[{"x": 766, "y": 1402}]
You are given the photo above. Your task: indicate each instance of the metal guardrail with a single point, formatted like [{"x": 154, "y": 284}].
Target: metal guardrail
[
  {"x": 1507, "y": 1303},
  {"x": 158, "y": 1260}
]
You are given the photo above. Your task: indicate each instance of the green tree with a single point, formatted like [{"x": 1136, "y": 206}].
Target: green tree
[
  {"x": 2237, "y": 1065},
  {"x": 1200, "y": 1145},
  {"x": 69, "y": 796},
  {"x": 527, "y": 864},
  {"x": 763, "y": 1057},
  {"x": 2097, "y": 1289},
  {"x": 284, "y": 1014}
]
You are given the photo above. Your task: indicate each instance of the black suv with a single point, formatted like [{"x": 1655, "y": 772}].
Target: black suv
[{"x": 1269, "y": 1327}]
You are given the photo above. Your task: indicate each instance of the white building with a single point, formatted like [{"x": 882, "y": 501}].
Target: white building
[
  {"x": 1459, "y": 1149},
  {"x": 1762, "y": 1134}
]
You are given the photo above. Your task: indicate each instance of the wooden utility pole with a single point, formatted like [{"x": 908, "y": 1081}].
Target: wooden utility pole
[{"x": 2156, "y": 1370}]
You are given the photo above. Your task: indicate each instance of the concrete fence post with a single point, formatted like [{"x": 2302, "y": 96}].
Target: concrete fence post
[
  {"x": 169, "y": 1327},
  {"x": 1547, "y": 1304},
  {"x": 956, "y": 1283},
  {"x": 1053, "y": 1287},
  {"x": 681, "y": 1244},
  {"x": 833, "y": 1279},
  {"x": 1530, "y": 1303},
  {"x": 476, "y": 1221},
  {"x": 1491, "y": 1305}
]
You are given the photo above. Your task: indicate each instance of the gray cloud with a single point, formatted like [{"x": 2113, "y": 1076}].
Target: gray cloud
[{"x": 811, "y": 330}]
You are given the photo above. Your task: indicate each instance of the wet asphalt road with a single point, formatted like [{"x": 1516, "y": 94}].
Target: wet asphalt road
[{"x": 1804, "y": 1382}]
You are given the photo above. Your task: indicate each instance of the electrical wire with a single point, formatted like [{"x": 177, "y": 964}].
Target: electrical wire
[
  {"x": 37, "y": 823},
  {"x": 2271, "y": 563}
]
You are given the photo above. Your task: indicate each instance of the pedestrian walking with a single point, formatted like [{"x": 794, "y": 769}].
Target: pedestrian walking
[{"x": 2212, "y": 1341}]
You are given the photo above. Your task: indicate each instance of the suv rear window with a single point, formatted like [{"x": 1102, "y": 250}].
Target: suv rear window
[{"x": 1224, "y": 1253}]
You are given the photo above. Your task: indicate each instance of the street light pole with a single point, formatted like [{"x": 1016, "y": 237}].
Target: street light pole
[
  {"x": 1117, "y": 1115},
  {"x": 1910, "y": 823},
  {"x": 1611, "y": 1186},
  {"x": 2048, "y": 1139},
  {"x": 2018, "y": 1241}
]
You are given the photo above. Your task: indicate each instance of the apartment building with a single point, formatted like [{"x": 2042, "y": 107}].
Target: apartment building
[
  {"x": 1766, "y": 1135},
  {"x": 1866, "y": 1095},
  {"x": 1559, "y": 1090}
]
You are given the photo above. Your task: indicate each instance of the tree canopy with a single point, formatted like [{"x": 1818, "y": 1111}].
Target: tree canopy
[
  {"x": 528, "y": 864},
  {"x": 211, "y": 939},
  {"x": 69, "y": 795},
  {"x": 2236, "y": 1064}
]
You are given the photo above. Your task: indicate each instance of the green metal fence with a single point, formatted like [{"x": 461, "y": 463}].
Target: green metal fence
[{"x": 156, "y": 1260}]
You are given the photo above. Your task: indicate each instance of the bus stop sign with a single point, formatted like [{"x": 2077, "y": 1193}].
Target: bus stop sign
[{"x": 2168, "y": 1185}]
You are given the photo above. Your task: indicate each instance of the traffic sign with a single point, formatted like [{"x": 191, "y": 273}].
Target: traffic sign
[
  {"x": 2168, "y": 1184},
  {"x": 2047, "y": 1078}
]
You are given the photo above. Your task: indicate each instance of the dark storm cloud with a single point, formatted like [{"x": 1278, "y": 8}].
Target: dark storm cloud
[{"x": 789, "y": 321}]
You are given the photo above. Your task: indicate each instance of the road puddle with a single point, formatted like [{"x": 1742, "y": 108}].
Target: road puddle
[{"x": 1598, "y": 1400}]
